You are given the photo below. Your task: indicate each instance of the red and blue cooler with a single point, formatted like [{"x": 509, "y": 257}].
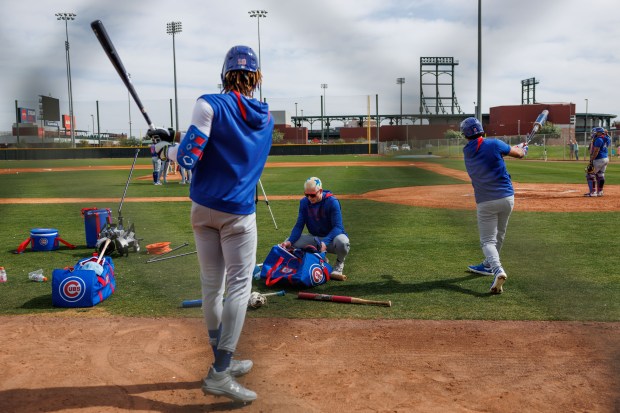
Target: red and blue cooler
[
  {"x": 43, "y": 239},
  {"x": 94, "y": 221}
]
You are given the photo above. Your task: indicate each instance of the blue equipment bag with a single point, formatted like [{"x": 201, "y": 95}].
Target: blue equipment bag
[
  {"x": 303, "y": 267},
  {"x": 80, "y": 287}
]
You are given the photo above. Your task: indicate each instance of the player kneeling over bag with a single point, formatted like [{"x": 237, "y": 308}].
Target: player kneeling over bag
[{"x": 301, "y": 267}]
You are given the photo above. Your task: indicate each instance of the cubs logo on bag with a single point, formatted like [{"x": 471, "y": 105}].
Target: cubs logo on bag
[
  {"x": 305, "y": 267},
  {"x": 82, "y": 286}
]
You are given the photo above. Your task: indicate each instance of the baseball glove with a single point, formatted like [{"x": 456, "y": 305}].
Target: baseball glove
[
  {"x": 590, "y": 168},
  {"x": 256, "y": 300}
]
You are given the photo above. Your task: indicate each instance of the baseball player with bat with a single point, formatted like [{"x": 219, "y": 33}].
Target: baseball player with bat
[
  {"x": 238, "y": 130},
  {"x": 484, "y": 161},
  {"x": 225, "y": 171}
]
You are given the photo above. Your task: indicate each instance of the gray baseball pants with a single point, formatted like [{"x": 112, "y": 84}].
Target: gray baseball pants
[
  {"x": 493, "y": 219},
  {"x": 339, "y": 246},
  {"x": 226, "y": 246}
]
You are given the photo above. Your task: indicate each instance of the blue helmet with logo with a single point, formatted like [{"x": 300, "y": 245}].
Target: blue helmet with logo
[
  {"x": 239, "y": 58},
  {"x": 597, "y": 130},
  {"x": 471, "y": 127}
]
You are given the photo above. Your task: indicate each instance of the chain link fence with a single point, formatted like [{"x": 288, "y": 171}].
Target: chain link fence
[{"x": 542, "y": 147}]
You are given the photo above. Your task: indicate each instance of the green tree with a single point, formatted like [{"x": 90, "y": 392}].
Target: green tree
[
  {"x": 550, "y": 130},
  {"x": 277, "y": 136},
  {"x": 452, "y": 134}
]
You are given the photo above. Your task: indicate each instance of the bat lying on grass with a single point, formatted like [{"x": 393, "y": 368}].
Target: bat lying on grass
[{"x": 341, "y": 299}]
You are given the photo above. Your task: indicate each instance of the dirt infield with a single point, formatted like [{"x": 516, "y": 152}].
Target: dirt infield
[
  {"x": 529, "y": 197},
  {"x": 88, "y": 361}
]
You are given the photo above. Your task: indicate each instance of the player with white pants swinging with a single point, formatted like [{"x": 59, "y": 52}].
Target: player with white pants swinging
[{"x": 484, "y": 161}]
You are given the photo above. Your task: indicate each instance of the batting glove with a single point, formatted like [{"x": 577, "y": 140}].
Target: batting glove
[
  {"x": 161, "y": 135},
  {"x": 523, "y": 146},
  {"x": 161, "y": 149}
]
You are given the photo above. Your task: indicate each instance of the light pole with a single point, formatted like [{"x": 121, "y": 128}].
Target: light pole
[
  {"x": 92, "y": 117},
  {"x": 585, "y": 132},
  {"x": 173, "y": 28},
  {"x": 400, "y": 81},
  {"x": 324, "y": 86},
  {"x": 258, "y": 14},
  {"x": 66, "y": 17},
  {"x": 296, "y": 124}
]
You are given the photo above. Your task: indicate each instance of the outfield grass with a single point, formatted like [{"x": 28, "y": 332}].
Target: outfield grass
[{"x": 560, "y": 266}]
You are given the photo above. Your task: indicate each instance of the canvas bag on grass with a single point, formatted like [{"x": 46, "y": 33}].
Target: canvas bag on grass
[
  {"x": 81, "y": 286},
  {"x": 302, "y": 267}
]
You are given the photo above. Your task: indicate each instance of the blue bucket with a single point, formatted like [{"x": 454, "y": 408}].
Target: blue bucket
[
  {"x": 44, "y": 239},
  {"x": 94, "y": 221}
]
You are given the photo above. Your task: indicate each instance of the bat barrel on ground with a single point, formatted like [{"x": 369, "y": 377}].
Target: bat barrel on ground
[
  {"x": 538, "y": 123},
  {"x": 341, "y": 299},
  {"x": 110, "y": 50}
]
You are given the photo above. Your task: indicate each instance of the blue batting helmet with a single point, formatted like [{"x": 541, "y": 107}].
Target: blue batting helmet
[
  {"x": 597, "y": 130},
  {"x": 239, "y": 58},
  {"x": 471, "y": 127}
]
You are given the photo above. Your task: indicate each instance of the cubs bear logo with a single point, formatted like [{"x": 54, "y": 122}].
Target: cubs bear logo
[
  {"x": 43, "y": 241},
  {"x": 316, "y": 272},
  {"x": 72, "y": 289}
]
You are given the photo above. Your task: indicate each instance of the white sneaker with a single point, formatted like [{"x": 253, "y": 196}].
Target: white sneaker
[
  {"x": 222, "y": 383},
  {"x": 498, "y": 281},
  {"x": 338, "y": 268},
  {"x": 600, "y": 193}
]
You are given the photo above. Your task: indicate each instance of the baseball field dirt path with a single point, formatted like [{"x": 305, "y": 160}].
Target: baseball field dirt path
[{"x": 89, "y": 361}]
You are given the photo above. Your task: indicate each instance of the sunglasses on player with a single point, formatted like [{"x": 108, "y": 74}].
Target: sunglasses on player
[{"x": 312, "y": 195}]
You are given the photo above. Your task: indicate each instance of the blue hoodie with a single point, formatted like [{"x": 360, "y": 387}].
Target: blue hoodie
[
  {"x": 484, "y": 161},
  {"x": 323, "y": 219},
  {"x": 225, "y": 177}
]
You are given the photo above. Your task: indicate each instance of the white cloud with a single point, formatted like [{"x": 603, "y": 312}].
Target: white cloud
[{"x": 358, "y": 48}]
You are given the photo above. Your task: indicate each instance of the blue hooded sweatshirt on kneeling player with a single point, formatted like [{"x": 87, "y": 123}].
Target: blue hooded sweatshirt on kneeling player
[{"x": 323, "y": 219}]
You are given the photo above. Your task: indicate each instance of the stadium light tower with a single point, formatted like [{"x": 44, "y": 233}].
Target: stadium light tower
[
  {"x": 258, "y": 14},
  {"x": 66, "y": 17},
  {"x": 324, "y": 86},
  {"x": 174, "y": 28},
  {"x": 585, "y": 133},
  {"x": 400, "y": 81}
]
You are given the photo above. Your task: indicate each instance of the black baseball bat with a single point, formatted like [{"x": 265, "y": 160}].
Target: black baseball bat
[{"x": 110, "y": 50}]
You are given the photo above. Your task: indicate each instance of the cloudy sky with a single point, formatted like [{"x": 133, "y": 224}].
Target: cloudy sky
[{"x": 357, "y": 47}]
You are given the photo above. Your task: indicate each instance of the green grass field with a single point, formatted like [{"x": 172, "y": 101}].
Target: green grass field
[{"x": 561, "y": 266}]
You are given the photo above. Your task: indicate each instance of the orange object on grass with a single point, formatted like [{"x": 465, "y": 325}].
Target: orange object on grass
[{"x": 158, "y": 248}]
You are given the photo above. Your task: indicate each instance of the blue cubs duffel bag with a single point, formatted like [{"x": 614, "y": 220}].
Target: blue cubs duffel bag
[{"x": 84, "y": 285}]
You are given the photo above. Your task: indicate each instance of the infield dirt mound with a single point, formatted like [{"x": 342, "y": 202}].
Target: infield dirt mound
[{"x": 110, "y": 364}]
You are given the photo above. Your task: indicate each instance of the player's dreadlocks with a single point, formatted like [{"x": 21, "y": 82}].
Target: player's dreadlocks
[{"x": 242, "y": 81}]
